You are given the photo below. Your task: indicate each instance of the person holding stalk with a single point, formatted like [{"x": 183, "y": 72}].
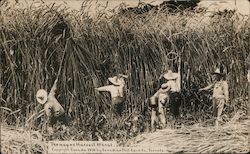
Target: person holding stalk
[
  {"x": 220, "y": 94},
  {"x": 157, "y": 104},
  {"x": 53, "y": 109},
  {"x": 117, "y": 92},
  {"x": 173, "y": 87},
  {"x": 169, "y": 92}
]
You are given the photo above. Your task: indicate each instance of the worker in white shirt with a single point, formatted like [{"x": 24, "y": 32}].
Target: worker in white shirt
[
  {"x": 117, "y": 92},
  {"x": 173, "y": 88},
  {"x": 157, "y": 104},
  {"x": 168, "y": 93},
  {"x": 220, "y": 94},
  {"x": 53, "y": 109}
]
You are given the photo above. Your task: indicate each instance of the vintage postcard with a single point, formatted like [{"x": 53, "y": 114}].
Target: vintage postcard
[{"x": 125, "y": 76}]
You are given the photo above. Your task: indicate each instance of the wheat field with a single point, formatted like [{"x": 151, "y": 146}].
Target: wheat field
[{"x": 33, "y": 45}]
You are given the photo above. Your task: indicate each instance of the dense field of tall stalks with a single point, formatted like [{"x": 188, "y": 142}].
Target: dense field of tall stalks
[{"x": 97, "y": 47}]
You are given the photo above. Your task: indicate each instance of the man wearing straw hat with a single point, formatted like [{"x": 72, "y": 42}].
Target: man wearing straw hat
[
  {"x": 220, "y": 94},
  {"x": 117, "y": 92},
  {"x": 157, "y": 104},
  {"x": 173, "y": 88},
  {"x": 53, "y": 109},
  {"x": 169, "y": 92}
]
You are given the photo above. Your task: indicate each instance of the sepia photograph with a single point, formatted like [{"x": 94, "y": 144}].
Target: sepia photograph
[{"x": 124, "y": 76}]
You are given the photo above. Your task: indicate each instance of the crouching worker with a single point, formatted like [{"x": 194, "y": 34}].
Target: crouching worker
[
  {"x": 220, "y": 94},
  {"x": 157, "y": 104},
  {"x": 117, "y": 93},
  {"x": 53, "y": 109}
]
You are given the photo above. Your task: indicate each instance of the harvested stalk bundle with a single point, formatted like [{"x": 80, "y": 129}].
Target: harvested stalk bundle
[
  {"x": 206, "y": 140},
  {"x": 21, "y": 141}
]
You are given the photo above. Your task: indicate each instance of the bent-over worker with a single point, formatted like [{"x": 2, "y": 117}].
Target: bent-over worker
[{"x": 53, "y": 109}]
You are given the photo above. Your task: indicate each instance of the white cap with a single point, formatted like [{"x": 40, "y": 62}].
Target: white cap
[
  {"x": 170, "y": 75},
  {"x": 117, "y": 80},
  {"x": 41, "y": 96}
]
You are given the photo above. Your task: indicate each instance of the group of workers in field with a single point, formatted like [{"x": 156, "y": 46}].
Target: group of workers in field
[{"x": 169, "y": 93}]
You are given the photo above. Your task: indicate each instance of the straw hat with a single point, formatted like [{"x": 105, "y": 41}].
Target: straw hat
[
  {"x": 41, "y": 96},
  {"x": 118, "y": 80},
  {"x": 170, "y": 75},
  {"x": 217, "y": 71}
]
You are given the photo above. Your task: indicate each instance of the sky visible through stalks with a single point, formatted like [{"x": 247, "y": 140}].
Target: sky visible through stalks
[{"x": 241, "y": 5}]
